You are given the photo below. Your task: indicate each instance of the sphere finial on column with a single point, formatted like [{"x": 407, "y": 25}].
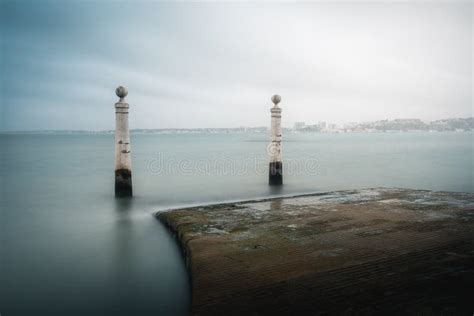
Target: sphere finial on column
[
  {"x": 276, "y": 99},
  {"x": 121, "y": 92}
]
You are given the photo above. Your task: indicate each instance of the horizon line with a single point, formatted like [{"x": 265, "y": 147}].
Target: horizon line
[{"x": 203, "y": 128}]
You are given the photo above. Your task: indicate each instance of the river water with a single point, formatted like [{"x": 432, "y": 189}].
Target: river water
[{"x": 68, "y": 247}]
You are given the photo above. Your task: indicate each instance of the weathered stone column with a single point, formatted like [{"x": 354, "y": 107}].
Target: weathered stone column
[
  {"x": 123, "y": 163},
  {"x": 274, "y": 149}
]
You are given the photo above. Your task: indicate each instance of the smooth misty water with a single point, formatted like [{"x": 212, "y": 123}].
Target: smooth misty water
[{"x": 69, "y": 247}]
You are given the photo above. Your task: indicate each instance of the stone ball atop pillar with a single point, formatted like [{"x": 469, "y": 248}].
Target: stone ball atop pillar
[
  {"x": 121, "y": 92},
  {"x": 276, "y": 99}
]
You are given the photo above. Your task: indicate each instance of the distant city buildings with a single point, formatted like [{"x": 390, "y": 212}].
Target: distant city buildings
[
  {"x": 320, "y": 127},
  {"x": 396, "y": 125},
  {"x": 299, "y": 126},
  {"x": 332, "y": 127}
]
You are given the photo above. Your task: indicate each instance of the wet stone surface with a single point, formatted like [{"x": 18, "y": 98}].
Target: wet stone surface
[{"x": 361, "y": 251}]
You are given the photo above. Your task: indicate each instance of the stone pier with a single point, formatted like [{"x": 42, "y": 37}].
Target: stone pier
[
  {"x": 364, "y": 252},
  {"x": 274, "y": 148},
  {"x": 123, "y": 163}
]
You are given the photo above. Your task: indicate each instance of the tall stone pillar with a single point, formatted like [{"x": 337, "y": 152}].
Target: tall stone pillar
[
  {"x": 123, "y": 163},
  {"x": 274, "y": 149}
]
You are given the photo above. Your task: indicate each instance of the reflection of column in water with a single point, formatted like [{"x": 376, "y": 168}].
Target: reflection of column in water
[
  {"x": 124, "y": 274},
  {"x": 275, "y": 190}
]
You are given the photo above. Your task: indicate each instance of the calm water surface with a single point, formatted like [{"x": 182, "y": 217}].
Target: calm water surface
[{"x": 69, "y": 247}]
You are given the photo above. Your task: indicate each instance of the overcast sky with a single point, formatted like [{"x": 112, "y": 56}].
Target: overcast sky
[{"x": 217, "y": 65}]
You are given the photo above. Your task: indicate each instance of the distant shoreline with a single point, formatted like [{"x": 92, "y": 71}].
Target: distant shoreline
[
  {"x": 381, "y": 126},
  {"x": 221, "y": 131}
]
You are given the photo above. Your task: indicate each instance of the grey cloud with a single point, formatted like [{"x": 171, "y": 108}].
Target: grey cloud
[{"x": 184, "y": 61}]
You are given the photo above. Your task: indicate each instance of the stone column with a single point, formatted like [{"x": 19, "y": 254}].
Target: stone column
[
  {"x": 274, "y": 149},
  {"x": 123, "y": 163}
]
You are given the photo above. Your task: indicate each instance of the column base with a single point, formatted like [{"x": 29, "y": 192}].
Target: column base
[
  {"x": 276, "y": 173},
  {"x": 123, "y": 182}
]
